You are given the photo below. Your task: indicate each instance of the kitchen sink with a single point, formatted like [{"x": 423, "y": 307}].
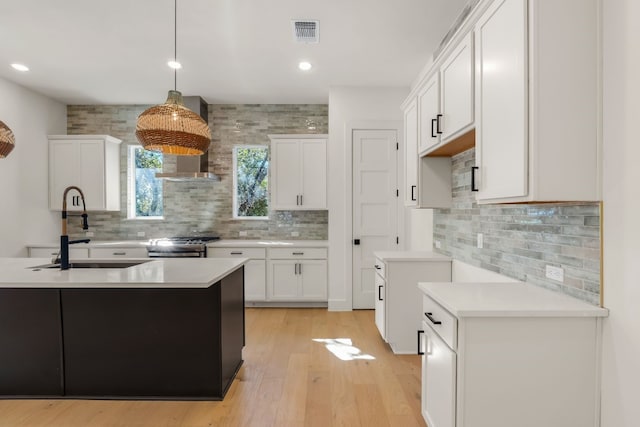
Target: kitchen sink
[{"x": 93, "y": 264}]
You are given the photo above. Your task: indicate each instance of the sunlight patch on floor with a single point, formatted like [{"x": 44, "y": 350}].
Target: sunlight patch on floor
[{"x": 343, "y": 349}]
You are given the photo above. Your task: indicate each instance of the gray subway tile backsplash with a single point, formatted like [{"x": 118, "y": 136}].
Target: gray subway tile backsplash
[
  {"x": 521, "y": 239},
  {"x": 204, "y": 207}
]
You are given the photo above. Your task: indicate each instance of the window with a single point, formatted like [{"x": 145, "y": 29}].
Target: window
[
  {"x": 250, "y": 182},
  {"x": 145, "y": 190}
]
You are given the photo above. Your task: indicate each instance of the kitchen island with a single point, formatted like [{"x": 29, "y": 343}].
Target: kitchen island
[{"x": 162, "y": 329}]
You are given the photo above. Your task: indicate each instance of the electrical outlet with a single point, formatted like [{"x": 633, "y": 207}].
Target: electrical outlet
[
  {"x": 89, "y": 233},
  {"x": 554, "y": 273},
  {"x": 242, "y": 233},
  {"x": 438, "y": 244},
  {"x": 141, "y": 234},
  {"x": 480, "y": 241},
  {"x": 295, "y": 234}
]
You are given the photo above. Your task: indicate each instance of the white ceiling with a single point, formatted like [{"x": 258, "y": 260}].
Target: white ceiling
[{"x": 232, "y": 51}]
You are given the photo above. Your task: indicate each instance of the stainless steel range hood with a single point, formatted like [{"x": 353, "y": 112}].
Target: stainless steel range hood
[{"x": 192, "y": 168}]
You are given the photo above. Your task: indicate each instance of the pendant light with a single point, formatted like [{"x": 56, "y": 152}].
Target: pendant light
[
  {"x": 171, "y": 128},
  {"x": 7, "y": 140}
]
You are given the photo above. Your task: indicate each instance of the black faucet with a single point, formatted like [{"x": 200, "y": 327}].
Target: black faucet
[{"x": 64, "y": 238}]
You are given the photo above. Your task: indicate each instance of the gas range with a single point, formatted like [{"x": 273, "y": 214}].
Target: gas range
[{"x": 174, "y": 247}]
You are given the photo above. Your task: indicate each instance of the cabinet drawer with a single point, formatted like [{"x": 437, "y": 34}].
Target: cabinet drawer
[
  {"x": 74, "y": 253},
  {"x": 298, "y": 253},
  {"x": 381, "y": 268},
  {"x": 118, "y": 253},
  {"x": 447, "y": 329},
  {"x": 253, "y": 253}
]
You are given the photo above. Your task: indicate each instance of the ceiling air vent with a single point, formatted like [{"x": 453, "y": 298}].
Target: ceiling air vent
[{"x": 306, "y": 31}]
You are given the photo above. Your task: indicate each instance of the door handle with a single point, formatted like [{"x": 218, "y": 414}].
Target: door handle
[
  {"x": 236, "y": 253},
  {"x": 473, "y": 178},
  {"x": 434, "y": 321},
  {"x": 433, "y": 130},
  {"x": 413, "y": 197},
  {"x": 119, "y": 253},
  {"x": 301, "y": 200},
  {"x": 380, "y": 296},
  {"x": 377, "y": 267},
  {"x": 420, "y": 352},
  {"x": 297, "y": 200},
  {"x": 438, "y": 129}
]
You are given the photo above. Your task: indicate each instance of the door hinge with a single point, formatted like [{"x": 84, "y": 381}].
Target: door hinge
[
  {"x": 397, "y": 145},
  {"x": 397, "y": 240}
]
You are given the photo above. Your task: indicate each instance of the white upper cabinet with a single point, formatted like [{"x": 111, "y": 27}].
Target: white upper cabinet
[
  {"x": 89, "y": 162},
  {"x": 537, "y": 101},
  {"x": 298, "y": 172},
  {"x": 411, "y": 154},
  {"x": 430, "y": 117},
  {"x": 456, "y": 80}
]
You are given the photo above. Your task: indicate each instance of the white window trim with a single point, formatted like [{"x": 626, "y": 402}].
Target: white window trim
[
  {"x": 131, "y": 187},
  {"x": 234, "y": 205}
]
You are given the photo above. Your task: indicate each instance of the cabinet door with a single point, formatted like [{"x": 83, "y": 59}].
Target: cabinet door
[
  {"x": 456, "y": 76},
  {"x": 113, "y": 253},
  {"x": 411, "y": 154},
  {"x": 313, "y": 280},
  {"x": 313, "y": 194},
  {"x": 439, "y": 381},
  {"x": 255, "y": 280},
  {"x": 429, "y": 110},
  {"x": 91, "y": 173},
  {"x": 501, "y": 97},
  {"x": 284, "y": 280},
  {"x": 380, "y": 305},
  {"x": 63, "y": 169},
  {"x": 286, "y": 174},
  {"x": 74, "y": 253}
]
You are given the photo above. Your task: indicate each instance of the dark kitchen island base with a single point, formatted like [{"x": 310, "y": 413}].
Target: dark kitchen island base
[{"x": 170, "y": 343}]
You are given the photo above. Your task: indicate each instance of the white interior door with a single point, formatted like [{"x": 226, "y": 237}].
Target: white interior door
[{"x": 375, "y": 199}]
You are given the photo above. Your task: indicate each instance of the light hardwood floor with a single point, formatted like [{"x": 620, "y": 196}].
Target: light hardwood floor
[{"x": 287, "y": 380}]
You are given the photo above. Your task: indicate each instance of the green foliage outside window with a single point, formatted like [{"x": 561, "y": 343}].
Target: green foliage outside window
[
  {"x": 252, "y": 170},
  {"x": 148, "y": 189}
]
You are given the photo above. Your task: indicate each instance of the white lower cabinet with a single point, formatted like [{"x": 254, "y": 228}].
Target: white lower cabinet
[
  {"x": 115, "y": 252},
  {"x": 255, "y": 289},
  {"x": 501, "y": 361},
  {"x": 54, "y": 251},
  {"x": 298, "y": 280},
  {"x": 438, "y": 380},
  {"x": 397, "y": 297}
]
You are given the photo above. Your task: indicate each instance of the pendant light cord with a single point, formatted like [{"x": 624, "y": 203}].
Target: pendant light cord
[{"x": 175, "y": 43}]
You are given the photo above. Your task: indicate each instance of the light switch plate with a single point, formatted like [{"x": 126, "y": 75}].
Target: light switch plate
[
  {"x": 242, "y": 233},
  {"x": 480, "y": 241},
  {"x": 89, "y": 233},
  {"x": 438, "y": 244},
  {"x": 141, "y": 234},
  {"x": 294, "y": 234}
]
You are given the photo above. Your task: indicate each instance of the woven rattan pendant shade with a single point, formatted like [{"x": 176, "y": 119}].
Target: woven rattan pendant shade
[
  {"x": 172, "y": 128},
  {"x": 7, "y": 140}
]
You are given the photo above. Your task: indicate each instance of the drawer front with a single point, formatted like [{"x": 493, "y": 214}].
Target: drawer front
[
  {"x": 447, "y": 328},
  {"x": 253, "y": 253},
  {"x": 118, "y": 253},
  {"x": 381, "y": 268},
  {"x": 298, "y": 253},
  {"x": 74, "y": 253}
]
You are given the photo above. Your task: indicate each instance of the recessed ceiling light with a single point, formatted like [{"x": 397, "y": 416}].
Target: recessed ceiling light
[
  {"x": 174, "y": 64},
  {"x": 20, "y": 67},
  {"x": 304, "y": 66}
]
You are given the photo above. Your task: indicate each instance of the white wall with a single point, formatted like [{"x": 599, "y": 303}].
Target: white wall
[
  {"x": 24, "y": 214},
  {"x": 621, "y": 229},
  {"x": 349, "y": 106},
  {"x": 419, "y": 229}
]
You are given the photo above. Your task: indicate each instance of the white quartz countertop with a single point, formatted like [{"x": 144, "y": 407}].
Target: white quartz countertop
[
  {"x": 96, "y": 244},
  {"x": 410, "y": 256},
  {"x": 266, "y": 243},
  {"x": 159, "y": 273},
  {"x": 516, "y": 299}
]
